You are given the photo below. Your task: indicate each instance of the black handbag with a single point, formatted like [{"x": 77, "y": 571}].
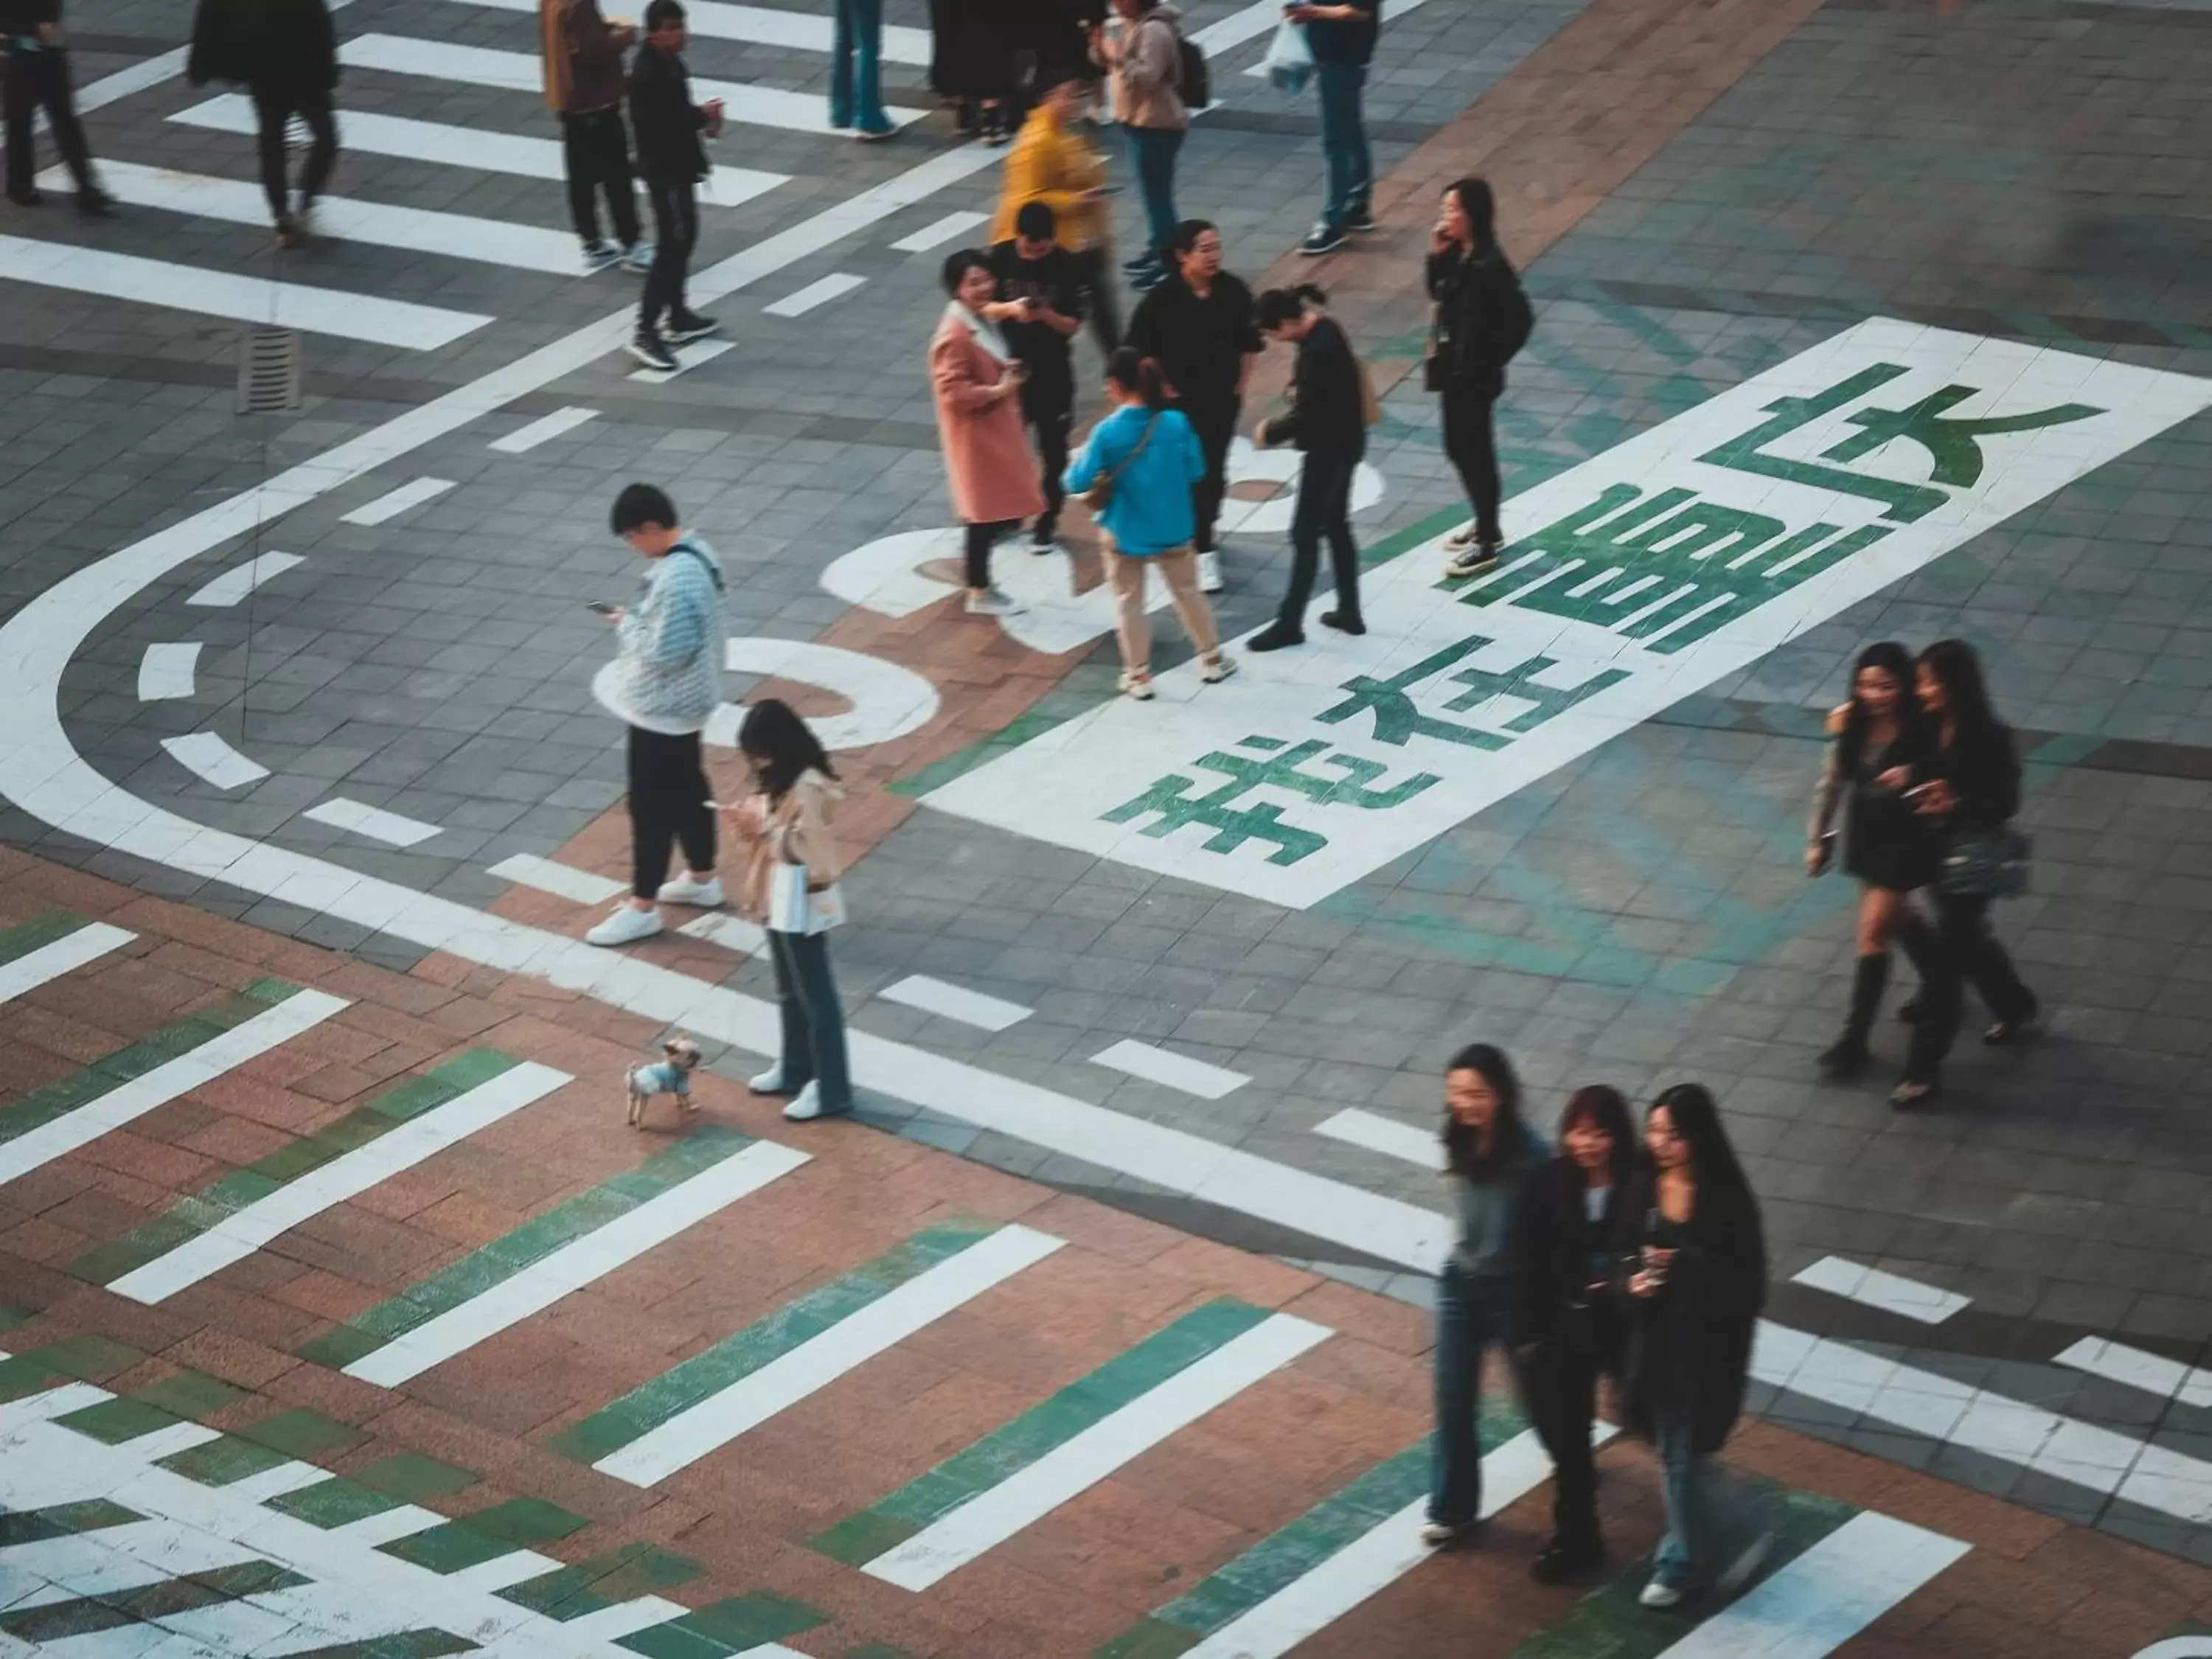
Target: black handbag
[{"x": 1991, "y": 865}]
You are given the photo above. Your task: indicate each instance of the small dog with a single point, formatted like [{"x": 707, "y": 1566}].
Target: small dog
[{"x": 671, "y": 1076}]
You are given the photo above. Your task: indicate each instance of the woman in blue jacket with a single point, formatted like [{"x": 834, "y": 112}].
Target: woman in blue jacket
[{"x": 1147, "y": 457}]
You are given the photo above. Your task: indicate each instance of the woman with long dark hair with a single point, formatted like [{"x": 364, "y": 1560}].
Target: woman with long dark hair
[
  {"x": 1481, "y": 319},
  {"x": 791, "y": 868},
  {"x": 1696, "y": 1261},
  {"x": 1967, "y": 785},
  {"x": 1565, "y": 1329},
  {"x": 1886, "y": 844},
  {"x": 1489, "y": 1154}
]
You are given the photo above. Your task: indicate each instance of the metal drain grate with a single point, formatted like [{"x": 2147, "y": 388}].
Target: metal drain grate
[{"x": 268, "y": 370}]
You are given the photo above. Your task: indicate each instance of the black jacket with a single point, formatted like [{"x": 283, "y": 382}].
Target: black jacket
[
  {"x": 1328, "y": 403},
  {"x": 1982, "y": 770},
  {"x": 19, "y": 19},
  {"x": 1200, "y": 344},
  {"x": 1689, "y": 1347},
  {"x": 1482, "y": 319},
  {"x": 282, "y": 45},
  {"x": 667, "y": 123},
  {"x": 1562, "y": 1254},
  {"x": 1349, "y": 41}
]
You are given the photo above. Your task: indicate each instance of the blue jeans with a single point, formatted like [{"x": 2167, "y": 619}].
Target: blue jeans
[
  {"x": 1470, "y": 1318},
  {"x": 1709, "y": 1516},
  {"x": 1154, "y": 150},
  {"x": 813, "y": 1019},
  {"x": 1343, "y": 141},
  {"x": 856, "y": 88}
]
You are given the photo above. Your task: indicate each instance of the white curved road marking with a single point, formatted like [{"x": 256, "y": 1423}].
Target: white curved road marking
[
  {"x": 374, "y": 822},
  {"x": 237, "y": 582},
  {"x": 210, "y": 758},
  {"x": 168, "y": 671}
]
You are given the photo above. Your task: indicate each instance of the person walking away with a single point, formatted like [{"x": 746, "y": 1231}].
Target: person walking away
[
  {"x": 1342, "y": 39},
  {"x": 856, "y": 77},
  {"x": 1034, "y": 271},
  {"x": 1967, "y": 786},
  {"x": 668, "y": 679},
  {"x": 1147, "y": 457},
  {"x": 1052, "y": 163},
  {"x": 1887, "y": 845},
  {"x": 792, "y": 870},
  {"x": 285, "y": 52},
  {"x": 974, "y": 381},
  {"x": 584, "y": 77},
  {"x": 1490, "y": 1155},
  {"x": 1198, "y": 325},
  {"x": 1696, "y": 1277},
  {"x": 672, "y": 156},
  {"x": 1482, "y": 319},
  {"x": 38, "y": 78},
  {"x": 1145, "y": 60},
  {"x": 1327, "y": 420},
  {"x": 1565, "y": 1329}
]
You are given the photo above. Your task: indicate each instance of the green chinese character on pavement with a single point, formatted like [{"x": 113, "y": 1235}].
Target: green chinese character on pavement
[
  {"x": 1397, "y": 717},
  {"x": 1179, "y": 803}
]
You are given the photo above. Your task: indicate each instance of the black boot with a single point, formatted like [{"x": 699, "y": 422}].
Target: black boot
[
  {"x": 1848, "y": 1054},
  {"x": 1917, "y": 940},
  {"x": 1568, "y": 1556}
]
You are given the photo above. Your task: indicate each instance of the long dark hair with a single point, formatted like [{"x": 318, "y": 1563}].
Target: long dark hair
[
  {"x": 1721, "y": 1186},
  {"x": 783, "y": 745},
  {"x": 1897, "y": 662},
  {"x": 1481, "y": 208},
  {"x": 1463, "y": 1153},
  {"x": 1278, "y": 306},
  {"x": 1965, "y": 694},
  {"x": 1602, "y": 1107},
  {"x": 1132, "y": 371}
]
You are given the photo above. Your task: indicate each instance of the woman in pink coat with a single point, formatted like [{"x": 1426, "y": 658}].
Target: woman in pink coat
[{"x": 977, "y": 383}]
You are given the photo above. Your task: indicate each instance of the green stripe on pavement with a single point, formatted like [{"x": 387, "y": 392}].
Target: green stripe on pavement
[
  {"x": 37, "y": 933},
  {"x": 620, "y": 1575},
  {"x": 726, "y": 1627},
  {"x": 221, "y": 1462},
  {"x": 498, "y": 1262},
  {"x": 56, "y": 1621},
  {"x": 401, "y": 1478},
  {"x": 1038, "y": 1430},
  {"x": 190, "y": 1217},
  {"x": 407, "y": 1645},
  {"x": 62, "y": 1520},
  {"x": 111, "y": 1422},
  {"x": 519, "y": 1524},
  {"x": 735, "y": 1358},
  {"x": 82, "y": 1087},
  {"x": 68, "y": 1360}
]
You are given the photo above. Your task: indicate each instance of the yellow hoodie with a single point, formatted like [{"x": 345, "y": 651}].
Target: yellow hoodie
[{"x": 1050, "y": 163}]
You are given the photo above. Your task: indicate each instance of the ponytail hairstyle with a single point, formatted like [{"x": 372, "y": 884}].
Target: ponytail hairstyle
[
  {"x": 1278, "y": 306},
  {"x": 1132, "y": 371}
]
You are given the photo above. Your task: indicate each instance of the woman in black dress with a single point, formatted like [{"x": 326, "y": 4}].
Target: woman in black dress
[
  {"x": 1966, "y": 783},
  {"x": 971, "y": 62},
  {"x": 1564, "y": 1328},
  {"x": 1886, "y": 844}
]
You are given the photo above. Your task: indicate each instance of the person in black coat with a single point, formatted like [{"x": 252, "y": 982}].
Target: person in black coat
[
  {"x": 1327, "y": 420},
  {"x": 1481, "y": 319},
  {"x": 1696, "y": 1278},
  {"x": 671, "y": 132},
  {"x": 285, "y": 52},
  {"x": 1966, "y": 784},
  {"x": 35, "y": 77},
  {"x": 1566, "y": 1327}
]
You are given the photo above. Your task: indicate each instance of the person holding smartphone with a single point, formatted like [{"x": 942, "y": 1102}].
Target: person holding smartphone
[
  {"x": 672, "y": 158},
  {"x": 976, "y": 381},
  {"x": 1481, "y": 319}
]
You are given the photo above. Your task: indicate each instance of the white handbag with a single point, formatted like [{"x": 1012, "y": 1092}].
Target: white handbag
[{"x": 793, "y": 909}]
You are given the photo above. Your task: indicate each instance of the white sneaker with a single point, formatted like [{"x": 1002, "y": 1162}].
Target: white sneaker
[
  {"x": 1137, "y": 686},
  {"x": 1217, "y": 671},
  {"x": 1437, "y": 1534},
  {"x": 600, "y": 255},
  {"x": 1473, "y": 562},
  {"x": 806, "y": 1105},
  {"x": 1656, "y": 1595},
  {"x": 1209, "y": 572},
  {"x": 769, "y": 1082},
  {"x": 625, "y": 926},
  {"x": 703, "y": 895},
  {"x": 992, "y": 602},
  {"x": 638, "y": 257}
]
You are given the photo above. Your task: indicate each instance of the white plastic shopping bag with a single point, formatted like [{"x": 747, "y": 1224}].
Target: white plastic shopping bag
[
  {"x": 793, "y": 909},
  {"x": 1290, "y": 57}
]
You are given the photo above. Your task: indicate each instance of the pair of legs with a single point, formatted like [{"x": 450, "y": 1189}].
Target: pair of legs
[
  {"x": 1350, "y": 177},
  {"x": 1105, "y": 312},
  {"x": 668, "y": 797},
  {"x": 1710, "y": 1519},
  {"x": 1886, "y": 915},
  {"x": 675, "y": 229},
  {"x": 595, "y": 155},
  {"x": 1473, "y": 448},
  {"x": 1154, "y": 150},
  {"x": 1965, "y": 951},
  {"x": 273, "y": 110},
  {"x": 1324, "y": 512},
  {"x": 813, "y": 1022},
  {"x": 978, "y": 552},
  {"x": 1470, "y": 1321},
  {"x": 1561, "y": 1391},
  {"x": 856, "y": 88},
  {"x": 1215, "y": 424},
  {"x": 1049, "y": 407},
  {"x": 1133, "y": 628},
  {"x": 40, "y": 80}
]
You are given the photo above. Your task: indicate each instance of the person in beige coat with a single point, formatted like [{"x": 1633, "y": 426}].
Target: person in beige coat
[
  {"x": 977, "y": 383},
  {"x": 1143, "y": 54},
  {"x": 785, "y": 826}
]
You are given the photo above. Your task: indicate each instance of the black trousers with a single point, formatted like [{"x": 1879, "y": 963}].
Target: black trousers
[
  {"x": 595, "y": 155},
  {"x": 1472, "y": 447},
  {"x": 667, "y": 804},
  {"x": 1215, "y": 423},
  {"x": 1324, "y": 512},
  {"x": 980, "y": 537},
  {"x": 675, "y": 228},
  {"x": 1049, "y": 406},
  {"x": 273, "y": 110},
  {"x": 38, "y": 81},
  {"x": 1966, "y": 952},
  {"x": 1105, "y": 305},
  {"x": 1559, "y": 1386}
]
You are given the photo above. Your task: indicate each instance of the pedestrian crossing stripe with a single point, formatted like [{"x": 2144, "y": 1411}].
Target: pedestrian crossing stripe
[
  {"x": 193, "y": 1215},
  {"x": 47, "y": 946},
  {"x": 586, "y": 1235}
]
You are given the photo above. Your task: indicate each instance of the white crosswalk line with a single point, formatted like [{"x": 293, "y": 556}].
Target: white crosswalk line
[
  {"x": 393, "y": 502},
  {"x": 357, "y": 818},
  {"x": 65, "y": 955},
  {"x": 235, "y": 583},
  {"x": 416, "y": 230},
  {"x": 1358, "y": 1127},
  {"x": 767, "y": 25},
  {"x": 743, "y": 104},
  {"x": 561, "y": 880},
  {"x": 240, "y": 298},
  {"x": 1876, "y": 1289},
  {"x": 2135, "y": 1369},
  {"x": 938, "y": 232},
  {"x": 543, "y": 430},
  {"x": 168, "y": 670},
  {"x": 819, "y": 292},
  {"x": 210, "y": 757}
]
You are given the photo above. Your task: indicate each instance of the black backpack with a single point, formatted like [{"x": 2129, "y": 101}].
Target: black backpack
[{"x": 1193, "y": 77}]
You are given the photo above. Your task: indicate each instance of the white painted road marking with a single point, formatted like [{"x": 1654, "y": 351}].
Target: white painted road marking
[
  {"x": 2154, "y": 1373},
  {"x": 65, "y": 955},
  {"x": 811, "y": 1366},
  {"x": 524, "y": 439},
  {"x": 688, "y": 357},
  {"x": 1385, "y": 1135},
  {"x": 996, "y": 1513},
  {"x": 819, "y": 292},
  {"x": 1173, "y": 1071},
  {"x": 393, "y": 502},
  {"x": 938, "y": 232},
  {"x": 733, "y": 934},
  {"x": 168, "y": 671},
  {"x": 561, "y": 880},
  {"x": 245, "y": 1232},
  {"x": 235, "y": 583},
  {"x": 935, "y": 996},
  {"x": 209, "y": 756},
  {"x": 374, "y": 822},
  {"x": 1885, "y": 1290}
]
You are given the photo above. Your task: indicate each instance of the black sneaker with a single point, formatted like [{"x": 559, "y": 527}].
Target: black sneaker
[
  {"x": 96, "y": 204},
  {"x": 688, "y": 326},
  {"x": 649, "y": 348},
  {"x": 1360, "y": 221},
  {"x": 1564, "y": 1559},
  {"x": 1342, "y": 624},
  {"x": 1322, "y": 239},
  {"x": 1274, "y": 638},
  {"x": 26, "y": 199}
]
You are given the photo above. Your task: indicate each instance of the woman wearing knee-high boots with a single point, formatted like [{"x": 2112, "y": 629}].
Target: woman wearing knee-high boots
[
  {"x": 1565, "y": 1329},
  {"x": 1887, "y": 845}
]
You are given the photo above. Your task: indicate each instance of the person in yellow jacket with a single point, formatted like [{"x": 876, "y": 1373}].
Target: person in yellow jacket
[{"x": 1051, "y": 162}]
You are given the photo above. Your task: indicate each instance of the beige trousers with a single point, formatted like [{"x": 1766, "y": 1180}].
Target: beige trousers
[{"x": 1125, "y": 576}]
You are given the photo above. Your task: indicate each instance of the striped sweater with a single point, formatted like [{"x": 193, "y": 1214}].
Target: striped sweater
[{"x": 669, "y": 646}]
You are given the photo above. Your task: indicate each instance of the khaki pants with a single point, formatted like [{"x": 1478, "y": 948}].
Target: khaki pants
[{"x": 1125, "y": 576}]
